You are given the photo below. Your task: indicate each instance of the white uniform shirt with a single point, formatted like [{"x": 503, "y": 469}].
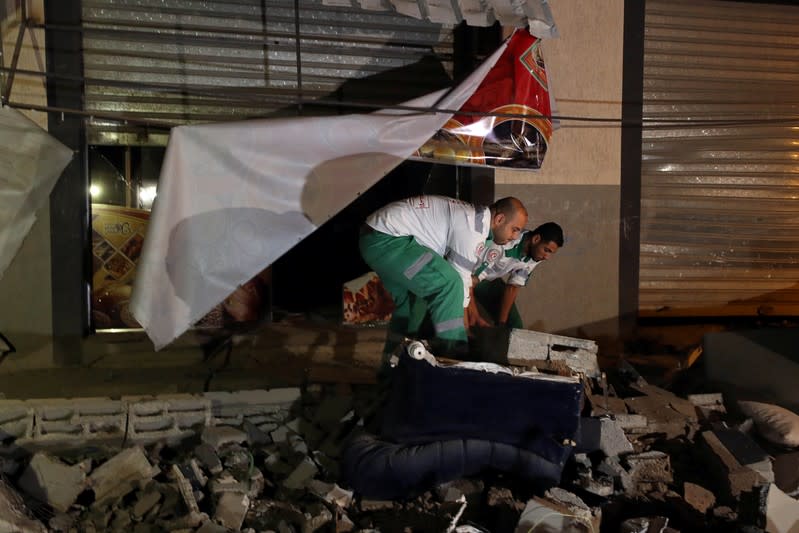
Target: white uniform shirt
[
  {"x": 451, "y": 228},
  {"x": 508, "y": 261}
]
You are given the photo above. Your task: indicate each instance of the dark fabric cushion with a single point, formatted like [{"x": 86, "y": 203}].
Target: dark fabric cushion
[
  {"x": 430, "y": 404},
  {"x": 377, "y": 469}
]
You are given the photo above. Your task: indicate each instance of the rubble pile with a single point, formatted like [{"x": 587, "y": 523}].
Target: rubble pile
[{"x": 647, "y": 461}]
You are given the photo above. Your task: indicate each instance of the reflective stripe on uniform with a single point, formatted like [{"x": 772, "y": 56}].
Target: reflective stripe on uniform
[
  {"x": 418, "y": 265},
  {"x": 449, "y": 325},
  {"x": 459, "y": 260}
]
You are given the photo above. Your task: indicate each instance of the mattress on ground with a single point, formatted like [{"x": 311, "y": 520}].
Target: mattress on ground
[
  {"x": 430, "y": 403},
  {"x": 377, "y": 469}
]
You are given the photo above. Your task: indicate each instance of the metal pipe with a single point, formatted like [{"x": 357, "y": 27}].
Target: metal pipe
[{"x": 17, "y": 50}]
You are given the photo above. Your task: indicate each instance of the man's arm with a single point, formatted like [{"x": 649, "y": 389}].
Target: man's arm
[
  {"x": 508, "y": 298},
  {"x": 472, "y": 312}
]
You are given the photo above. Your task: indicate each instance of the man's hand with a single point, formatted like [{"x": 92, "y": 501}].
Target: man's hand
[{"x": 474, "y": 318}]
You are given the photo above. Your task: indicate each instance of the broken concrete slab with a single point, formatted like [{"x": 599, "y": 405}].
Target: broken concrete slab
[
  {"x": 747, "y": 452},
  {"x": 51, "y": 481},
  {"x": 526, "y": 347},
  {"x": 126, "y": 471},
  {"x": 730, "y": 473},
  {"x": 231, "y": 509}
]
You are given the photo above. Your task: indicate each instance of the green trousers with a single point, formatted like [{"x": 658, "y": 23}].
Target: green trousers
[
  {"x": 489, "y": 295},
  {"x": 417, "y": 279}
]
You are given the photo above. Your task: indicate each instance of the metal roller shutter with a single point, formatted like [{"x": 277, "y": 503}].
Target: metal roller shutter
[
  {"x": 209, "y": 60},
  {"x": 720, "y": 169}
]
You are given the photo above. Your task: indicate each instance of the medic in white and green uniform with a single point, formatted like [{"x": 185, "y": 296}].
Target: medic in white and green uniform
[
  {"x": 424, "y": 249},
  {"x": 506, "y": 268},
  {"x": 407, "y": 246}
]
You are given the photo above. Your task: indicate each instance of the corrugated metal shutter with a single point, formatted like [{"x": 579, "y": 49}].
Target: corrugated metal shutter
[
  {"x": 209, "y": 60},
  {"x": 720, "y": 183}
]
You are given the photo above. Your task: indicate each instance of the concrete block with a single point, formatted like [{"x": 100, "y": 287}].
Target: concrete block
[
  {"x": 231, "y": 509},
  {"x": 14, "y": 514},
  {"x": 219, "y": 436},
  {"x": 649, "y": 467},
  {"x": 75, "y": 420},
  {"x": 698, "y": 497},
  {"x": 316, "y": 517},
  {"x": 51, "y": 481},
  {"x": 730, "y": 473},
  {"x": 126, "y": 471},
  {"x": 631, "y": 421},
  {"x": 525, "y": 346},
  {"x": 233, "y": 408},
  {"x": 167, "y": 417},
  {"x": 16, "y": 420}
]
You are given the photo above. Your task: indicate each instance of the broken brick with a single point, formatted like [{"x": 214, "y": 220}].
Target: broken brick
[{"x": 698, "y": 497}]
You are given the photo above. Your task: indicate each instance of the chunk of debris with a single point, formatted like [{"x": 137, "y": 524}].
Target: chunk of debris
[
  {"x": 51, "y": 481},
  {"x": 526, "y": 347},
  {"x": 13, "y": 513},
  {"x": 709, "y": 406},
  {"x": 206, "y": 454},
  {"x": 145, "y": 503},
  {"x": 231, "y": 509},
  {"x": 734, "y": 476},
  {"x": 654, "y": 524},
  {"x": 649, "y": 471},
  {"x": 604, "y": 434},
  {"x": 126, "y": 471},
  {"x": 301, "y": 475},
  {"x": 698, "y": 497},
  {"x": 220, "y": 436},
  {"x": 330, "y": 492},
  {"x": 554, "y": 516}
]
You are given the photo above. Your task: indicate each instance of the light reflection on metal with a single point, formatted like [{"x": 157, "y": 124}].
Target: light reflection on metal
[{"x": 719, "y": 215}]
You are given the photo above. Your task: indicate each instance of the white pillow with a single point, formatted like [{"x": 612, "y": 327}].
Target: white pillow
[{"x": 776, "y": 424}]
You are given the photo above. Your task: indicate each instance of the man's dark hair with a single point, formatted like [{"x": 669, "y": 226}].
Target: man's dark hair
[
  {"x": 550, "y": 231},
  {"x": 508, "y": 206}
]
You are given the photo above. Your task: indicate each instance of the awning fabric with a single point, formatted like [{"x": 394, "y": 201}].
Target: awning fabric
[
  {"x": 234, "y": 197},
  {"x": 31, "y": 160}
]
